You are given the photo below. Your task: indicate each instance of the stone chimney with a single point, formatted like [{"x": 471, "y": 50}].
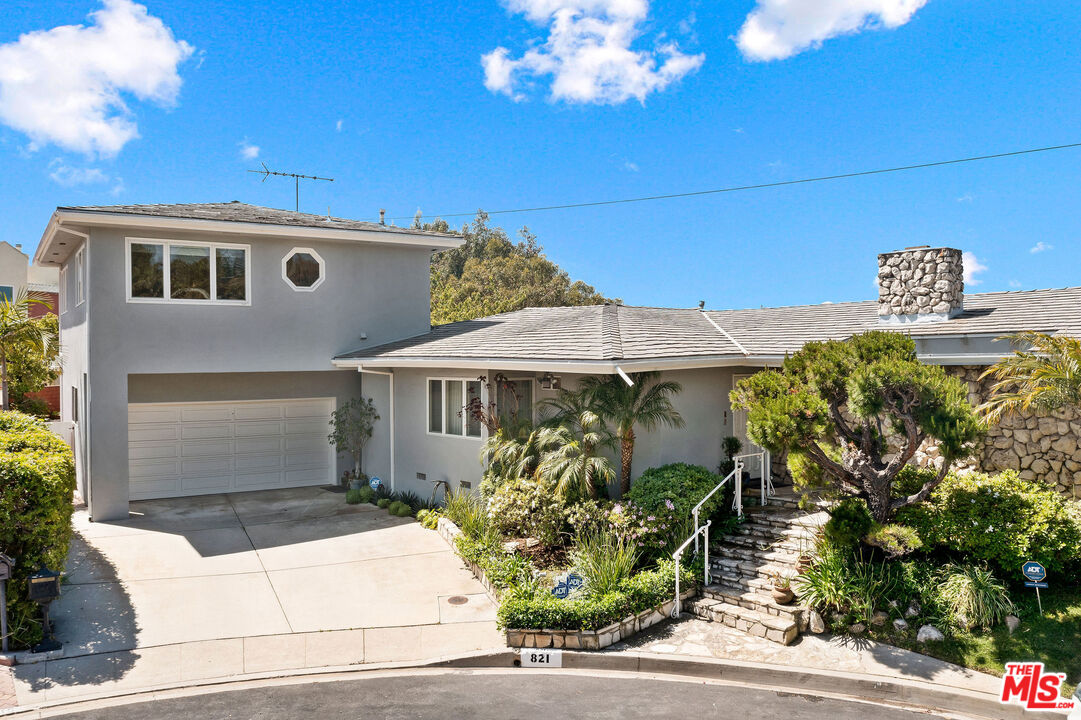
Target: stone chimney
[{"x": 920, "y": 284}]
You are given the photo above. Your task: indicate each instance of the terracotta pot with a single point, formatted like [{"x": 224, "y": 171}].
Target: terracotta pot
[
  {"x": 804, "y": 564},
  {"x": 783, "y": 596}
]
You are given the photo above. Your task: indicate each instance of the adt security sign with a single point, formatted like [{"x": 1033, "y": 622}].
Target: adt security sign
[
  {"x": 375, "y": 483},
  {"x": 1034, "y": 572}
]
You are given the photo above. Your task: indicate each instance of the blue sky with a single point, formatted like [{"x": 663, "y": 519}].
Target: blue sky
[{"x": 449, "y": 107}]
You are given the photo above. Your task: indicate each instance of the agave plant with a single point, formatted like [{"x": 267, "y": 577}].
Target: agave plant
[{"x": 1044, "y": 376}]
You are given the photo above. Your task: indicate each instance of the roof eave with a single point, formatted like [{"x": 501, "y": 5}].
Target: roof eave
[
  {"x": 158, "y": 222},
  {"x": 605, "y": 367}
]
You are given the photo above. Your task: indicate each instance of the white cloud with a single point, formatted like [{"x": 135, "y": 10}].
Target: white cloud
[
  {"x": 66, "y": 85},
  {"x": 338, "y": 125},
  {"x": 588, "y": 53},
  {"x": 1015, "y": 284},
  {"x": 247, "y": 150},
  {"x": 1040, "y": 247},
  {"x": 777, "y": 29},
  {"x": 966, "y": 198},
  {"x": 972, "y": 268},
  {"x": 632, "y": 166},
  {"x": 63, "y": 174}
]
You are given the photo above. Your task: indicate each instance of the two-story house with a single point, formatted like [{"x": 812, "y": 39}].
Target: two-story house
[{"x": 198, "y": 341}]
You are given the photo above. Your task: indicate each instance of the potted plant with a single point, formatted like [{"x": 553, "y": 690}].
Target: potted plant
[
  {"x": 805, "y": 559},
  {"x": 782, "y": 589},
  {"x": 351, "y": 428}
]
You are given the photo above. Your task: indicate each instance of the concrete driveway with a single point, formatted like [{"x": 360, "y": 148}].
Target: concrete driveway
[{"x": 304, "y": 578}]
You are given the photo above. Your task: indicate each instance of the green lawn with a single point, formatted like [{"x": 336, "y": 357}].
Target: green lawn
[{"x": 1054, "y": 638}]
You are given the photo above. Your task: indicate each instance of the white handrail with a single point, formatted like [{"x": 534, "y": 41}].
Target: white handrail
[
  {"x": 765, "y": 464},
  {"x": 678, "y": 607},
  {"x": 738, "y": 504}
]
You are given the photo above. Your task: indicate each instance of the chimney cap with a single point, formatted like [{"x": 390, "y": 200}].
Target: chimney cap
[{"x": 382, "y": 216}]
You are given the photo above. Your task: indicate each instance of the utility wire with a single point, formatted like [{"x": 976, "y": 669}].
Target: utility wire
[{"x": 761, "y": 186}]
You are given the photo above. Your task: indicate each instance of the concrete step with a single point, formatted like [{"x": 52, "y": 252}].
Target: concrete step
[
  {"x": 757, "y": 600},
  {"x": 780, "y": 630}
]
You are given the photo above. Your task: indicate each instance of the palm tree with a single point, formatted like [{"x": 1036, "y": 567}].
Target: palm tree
[
  {"x": 646, "y": 402},
  {"x": 513, "y": 454},
  {"x": 1044, "y": 376},
  {"x": 570, "y": 459},
  {"x": 19, "y": 331}
]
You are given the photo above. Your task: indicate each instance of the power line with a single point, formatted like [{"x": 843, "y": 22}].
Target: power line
[{"x": 761, "y": 186}]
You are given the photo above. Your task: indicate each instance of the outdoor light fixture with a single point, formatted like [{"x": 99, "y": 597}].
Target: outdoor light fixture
[
  {"x": 44, "y": 588},
  {"x": 549, "y": 381},
  {"x": 6, "y": 566}
]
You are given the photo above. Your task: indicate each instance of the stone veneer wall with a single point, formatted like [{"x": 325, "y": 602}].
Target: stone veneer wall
[
  {"x": 920, "y": 282},
  {"x": 1038, "y": 446}
]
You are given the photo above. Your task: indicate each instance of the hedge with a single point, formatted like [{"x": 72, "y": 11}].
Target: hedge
[
  {"x": 37, "y": 479},
  {"x": 1001, "y": 519},
  {"x": 522, "y": 609}
]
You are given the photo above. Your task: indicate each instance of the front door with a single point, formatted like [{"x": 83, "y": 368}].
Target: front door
[{"x": 739, "y": 430}]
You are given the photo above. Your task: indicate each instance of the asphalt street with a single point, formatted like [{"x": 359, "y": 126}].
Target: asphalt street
[{"x": 510, "y": 695}]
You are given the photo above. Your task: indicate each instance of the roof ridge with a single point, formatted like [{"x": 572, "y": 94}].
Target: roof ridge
[{"x": 611, "y": 338}]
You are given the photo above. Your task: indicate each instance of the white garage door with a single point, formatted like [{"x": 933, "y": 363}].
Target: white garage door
[{"x": 177, "y": 449}]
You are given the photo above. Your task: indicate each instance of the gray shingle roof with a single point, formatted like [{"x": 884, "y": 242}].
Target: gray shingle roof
[
  {"x": 236, "y": 211},
  {"x": 619, "y": 332}
]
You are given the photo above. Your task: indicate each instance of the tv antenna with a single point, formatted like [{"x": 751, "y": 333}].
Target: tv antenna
[{"x": 267, "y": 172}]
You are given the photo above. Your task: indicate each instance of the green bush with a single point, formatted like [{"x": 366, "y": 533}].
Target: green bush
[
  {"x": 429, "y": 518},
  {"x": 37, "y": 479},
  {"x": 366, "y": 495},
  {"x": 502, "y": 568},
  {"x": 895, "y": 540},
  {"x": 524, "y": 507},
  {"x": 999, "y": 519},
  {"x": 605, "y": 560},
  {"x": 353, "y": 497},
  {"x": 975, "y": 596},
  {"x": 467, "y": 511},
  {"x": 403, "y": 510},
  {"x": 683, "y": 486},
  {"x": 528, "y": 608},
  {"x": 849, "y": 522},
  {"x": 589, "y": 517},
  {"x": 412, "y": 500},
  {"x": 383, "y": 503}
]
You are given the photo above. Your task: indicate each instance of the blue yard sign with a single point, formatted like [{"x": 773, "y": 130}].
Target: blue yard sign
[
  {"x": 1035, "y": 573},
  {"x": 375, "y": 483},
  {"x": 567, "y": 584}
]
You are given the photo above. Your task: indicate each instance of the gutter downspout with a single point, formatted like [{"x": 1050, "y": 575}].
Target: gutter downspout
[
  {"x": 390, "y": 381},
  {"x": 625, "y": 376}
]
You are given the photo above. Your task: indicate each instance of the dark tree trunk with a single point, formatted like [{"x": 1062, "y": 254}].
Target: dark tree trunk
[
  {"x": 878, "y": 501},
  {"x": 626, "y": 453}
]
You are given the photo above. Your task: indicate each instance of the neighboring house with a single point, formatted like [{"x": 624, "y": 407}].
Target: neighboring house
[
  {"x": 198, "y": 342},
  {"x": 921, "y": 293},
  {"x": 17, "y": 275}
]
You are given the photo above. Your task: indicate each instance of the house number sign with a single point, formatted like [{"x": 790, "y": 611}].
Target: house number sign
[{"x": 542, "y": 658}]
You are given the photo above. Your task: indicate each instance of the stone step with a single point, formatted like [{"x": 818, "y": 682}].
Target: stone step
[
  {"x": 760, "y": 542},
  {"x": 757, "y": 600},
  {"x": 773, "y": 532},
  {"x": 780, "y": 556},
  {"x": 750, "y": 568},
  {"x": 781, "y": 630}
]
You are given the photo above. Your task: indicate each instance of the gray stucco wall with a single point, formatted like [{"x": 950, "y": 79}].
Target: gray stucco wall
[
  {"x": 74, "y": 359},
  {"x": 381, "y": 291},
  {"x": 703, "y": 403}
]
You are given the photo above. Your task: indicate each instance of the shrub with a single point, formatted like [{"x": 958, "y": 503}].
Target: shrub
[
  {"x": 999, "y": 519},
  {"x": 383, "y": 502},
  {"x": 605, "y": 560},
  {"x": 429, "y": 518},
  {"x": 401, "y": 509},
  {"x": 655, "y": 533},
  {"x": 466, "y": 510},
  {"x": 682, "y": 486},
  {"x": 502, "y": 568},
  {"x": 523, "y": 607},
  {"x": 895, "y": 540},
  {"x": 524, "y": 507},
  {"x": 412, "y": 500},
  {"x": 975, "y": 596},
  {"x": 827, "y": 584},
  {"x": 37, "y": 479},
  {"x": 353, "y": 497},
  {"x": 366, "y": 495},
  {"x": 589, "y": 517},
  {"x": 849, "y": 522}
]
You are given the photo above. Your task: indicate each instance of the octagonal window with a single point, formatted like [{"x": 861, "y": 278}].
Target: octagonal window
[{"x": 303, "y": 269}]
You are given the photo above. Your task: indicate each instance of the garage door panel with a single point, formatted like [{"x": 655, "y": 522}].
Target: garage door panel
[
  {"x": 206, "y": 430},
  {"x": 256, "y": 429},
  {"x": 259, "y": 445},
  {"x": 261, "y": 411},
  {"x": 197, "y": 448},
  {"x": 144, "y": 433},
  {"x": 206, "y": 448}
]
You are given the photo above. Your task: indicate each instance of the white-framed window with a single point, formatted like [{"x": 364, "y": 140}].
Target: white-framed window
[
  {"x": 303, "y": 269},
  {"x": 187, "y": 272},
  {"x": 80, "y": 276},
  {"x": 514, "y": 400},
  {"x": 63, "y": 290},
  {"x": 448, "y": 401}
]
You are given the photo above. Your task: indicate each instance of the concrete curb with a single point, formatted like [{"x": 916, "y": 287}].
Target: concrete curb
[{"x": 902, "y": 692}]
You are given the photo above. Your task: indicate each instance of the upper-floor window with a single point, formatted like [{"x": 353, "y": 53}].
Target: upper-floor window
[
  {"x": 80, "y": 276},
  {"x": 448, "y": 403},
  {"x": 188, "y": 272},
  {"x": 303, "y": 269}
]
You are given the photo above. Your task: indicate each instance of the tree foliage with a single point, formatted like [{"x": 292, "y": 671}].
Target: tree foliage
[
  {"x": 1044, "y": 376},
  {"x": 21, "y": 336},
  {"x": 835, "y": 403},
  {"x": 491, "y": 274},
  {"x": 351, "y": 428},
  {"x": 32, "y": 367}
]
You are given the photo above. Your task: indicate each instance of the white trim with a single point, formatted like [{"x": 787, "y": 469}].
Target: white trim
[
  {"x": 586, "y": 367},
  {"x": 80, "y": 275},
  {"x": 318, "y": 259},
  {"x": 62, "y": 293},
  {"x": 107, "y": 219},
  {"x": 390, "y": 380},
  {"x": 167, "y": 273},
  {"x": 443, "y": 380}
]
